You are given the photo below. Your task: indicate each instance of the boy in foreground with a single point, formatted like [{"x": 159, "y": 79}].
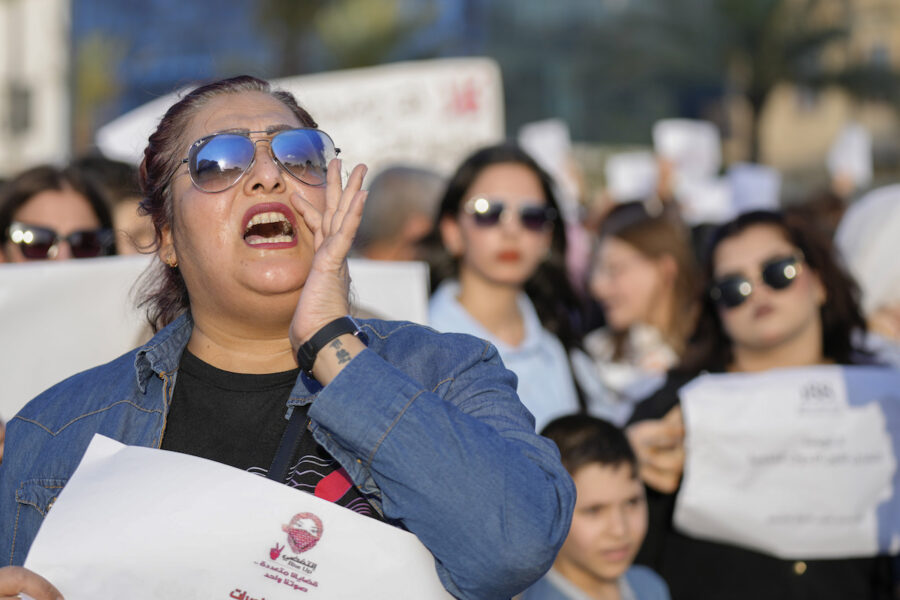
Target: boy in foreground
[{"x": 609, "y": 522}]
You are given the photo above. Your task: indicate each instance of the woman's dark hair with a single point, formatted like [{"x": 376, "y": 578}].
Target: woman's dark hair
[
  {"x": 656, "y": 236},
  {"x": 165, "y": 294},
  {"x": 584, "y": 440},
  {"x": 558, "y": 306},
  {"x": 23, "y": 187},
  {"x": 711, "y": 349}
]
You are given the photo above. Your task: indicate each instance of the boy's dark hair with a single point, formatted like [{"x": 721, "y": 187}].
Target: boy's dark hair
[{"x": 583, "y": 440}]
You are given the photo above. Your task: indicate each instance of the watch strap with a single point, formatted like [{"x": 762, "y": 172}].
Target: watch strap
[{"x": 307, "y": 353}]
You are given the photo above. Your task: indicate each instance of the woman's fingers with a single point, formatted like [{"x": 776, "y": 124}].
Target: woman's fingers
[
  {"x": 18, "y": 580},
  {"x": 343, "y": 211},
  {"x": 334, "y": 190},
  {"x": 349, "y": 194},
  {"x": 659, "y": 446}
]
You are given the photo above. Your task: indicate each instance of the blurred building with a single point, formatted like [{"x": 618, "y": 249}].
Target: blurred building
[
  {"x": 34, "y": 83},
  {"x": 799, "y": 124}
]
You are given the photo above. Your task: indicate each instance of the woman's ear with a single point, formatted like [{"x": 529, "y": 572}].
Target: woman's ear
[
  {"x": 166, "y": 252},
  {"x": 819, "y": 292},
  {"x": 451, "y": 236}
]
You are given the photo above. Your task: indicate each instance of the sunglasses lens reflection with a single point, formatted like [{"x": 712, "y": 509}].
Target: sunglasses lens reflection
[
  {"x": 488, "y": 213},
  {"x": 779, "y": 274},
  {"x": 733, "y": 292},
  {"x": 217, "y": 163},
  {"x": 37, "y": 243},
  {"x": 88, "y": 244},
  {"x": 33, "y": 242},
  {"x": 304, "y": 153},
  {"x": 535, "y": 218}
]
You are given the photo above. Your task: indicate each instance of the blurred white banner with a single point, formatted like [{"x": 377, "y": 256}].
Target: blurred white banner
[{"x": 428, "y": 113}]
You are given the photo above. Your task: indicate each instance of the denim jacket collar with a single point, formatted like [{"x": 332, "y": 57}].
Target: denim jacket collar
[{"x": 162, "y": 353}]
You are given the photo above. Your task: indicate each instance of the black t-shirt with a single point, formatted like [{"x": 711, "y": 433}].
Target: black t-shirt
[{"x": 238, "y": 419}]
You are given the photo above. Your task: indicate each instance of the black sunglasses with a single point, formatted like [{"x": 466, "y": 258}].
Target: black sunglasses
[
  {"x": 41, "y": 242},
  {"x": 218, "y": 161},
  {"x": 488, "y": 213},
  {"x": 777, "y": 273}
]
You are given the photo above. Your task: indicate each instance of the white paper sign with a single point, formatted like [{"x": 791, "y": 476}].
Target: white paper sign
[
  {"x": 795, "y": 463},
  {"x": 141, "y": 523}
]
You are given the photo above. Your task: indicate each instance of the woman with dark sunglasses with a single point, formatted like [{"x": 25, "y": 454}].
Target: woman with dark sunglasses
[
  {"x": 499, "y": 273},
  {"x": 414, "y": 428},
  {"x": 47, "y": 213},
  {"x": 777, "y": 298}
]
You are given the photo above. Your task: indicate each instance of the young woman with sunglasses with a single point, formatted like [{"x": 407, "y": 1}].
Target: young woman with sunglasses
[
  {"x": 47, "y": 213},
  {"x": 253, "y": 227},
  {"x": 501, "y": 273},
  {"x": 778, "y": 298}
]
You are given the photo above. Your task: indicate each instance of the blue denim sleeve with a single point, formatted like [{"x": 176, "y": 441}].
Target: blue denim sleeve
[
  {"x": 25, "y": 498},
  {"x": 440, "y": 434}
]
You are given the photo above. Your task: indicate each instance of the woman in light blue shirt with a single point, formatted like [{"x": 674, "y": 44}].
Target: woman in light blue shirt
[{"x": 502, "y": 274}]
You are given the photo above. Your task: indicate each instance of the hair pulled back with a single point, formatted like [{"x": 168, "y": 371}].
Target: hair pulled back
[{"x": 165, "y": 294}]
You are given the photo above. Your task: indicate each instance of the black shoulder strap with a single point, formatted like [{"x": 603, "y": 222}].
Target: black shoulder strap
[{"x": 287, "y": 447}]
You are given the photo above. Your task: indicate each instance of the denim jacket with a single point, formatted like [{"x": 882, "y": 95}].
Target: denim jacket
[{"x": 427, "y": 424}]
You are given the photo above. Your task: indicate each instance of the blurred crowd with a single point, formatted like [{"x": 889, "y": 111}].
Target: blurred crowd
[{"x": 604, "y": 305}]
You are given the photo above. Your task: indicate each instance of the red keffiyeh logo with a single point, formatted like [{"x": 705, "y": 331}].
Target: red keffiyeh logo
[{"x": 304, "y": 530}]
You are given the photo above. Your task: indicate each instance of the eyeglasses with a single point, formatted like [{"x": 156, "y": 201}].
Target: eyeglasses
[
  {"x": 777, "y": 273},
  {"x": 487, "y": 212},
  {"x": 218, "y": 161},
  {"x": 40, "y": 242}
]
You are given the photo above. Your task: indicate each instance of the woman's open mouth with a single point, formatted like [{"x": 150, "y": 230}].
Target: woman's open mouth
[{"x": 270, "y": 226}]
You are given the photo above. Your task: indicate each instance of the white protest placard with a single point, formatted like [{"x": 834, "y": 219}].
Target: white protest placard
[
  {"x": 60, "y": 318},
  {"x": 144, "y": 524},
  {"x": 796, "y": 463},
  {"x": 429, "y": 113}
]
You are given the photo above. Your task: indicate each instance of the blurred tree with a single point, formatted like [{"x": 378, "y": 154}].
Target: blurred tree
[
  {"x": 97, "y": 58},
  {"x": 749, "y": 47},
  {"x": 361, "y": 33},
  {"x": 290, "y": 25},
  {"x": 354, "y": 33}
]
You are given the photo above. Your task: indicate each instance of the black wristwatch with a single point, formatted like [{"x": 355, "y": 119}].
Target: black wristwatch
[{"x": 306, "y": 355}]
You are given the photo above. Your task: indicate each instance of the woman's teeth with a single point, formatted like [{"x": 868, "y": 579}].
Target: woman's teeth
[{"x": 268, "y": 228}]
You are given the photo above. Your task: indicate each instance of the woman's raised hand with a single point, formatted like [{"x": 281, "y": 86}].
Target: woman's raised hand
[
  {"x": 325, "y": 295},
  {"x": 659, "y": 446},
  {"x": 18, "y": 580}
]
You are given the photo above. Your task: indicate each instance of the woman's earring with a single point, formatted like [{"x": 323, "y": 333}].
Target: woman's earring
[{"x": 172, "y": 261}]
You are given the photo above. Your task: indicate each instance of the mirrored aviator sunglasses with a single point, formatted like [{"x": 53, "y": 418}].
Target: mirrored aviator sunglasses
[
  {"x": 487, "y": 212},
  {"x": 777, "y": 273},
  {"x": 218, "y": 161},
  {"x": 38, "y": 243}
]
